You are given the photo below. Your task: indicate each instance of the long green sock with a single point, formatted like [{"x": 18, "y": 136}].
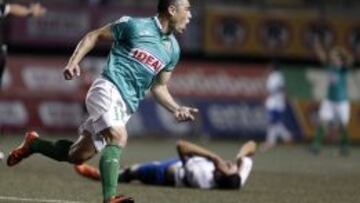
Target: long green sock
[
  {"x": 318, "y": 139},
  {"x": 109, "y": 170},
  {"x": 344, "y": 140},
  {"x": 58, "y": 150}
]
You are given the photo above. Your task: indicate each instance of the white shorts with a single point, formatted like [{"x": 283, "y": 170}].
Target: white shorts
[
  {"x": 106, "y": 109},
  {"x": 335, "y": 111}
]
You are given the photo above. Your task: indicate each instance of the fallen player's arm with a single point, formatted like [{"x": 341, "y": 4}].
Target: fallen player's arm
[{"x": 187, "y": 149}]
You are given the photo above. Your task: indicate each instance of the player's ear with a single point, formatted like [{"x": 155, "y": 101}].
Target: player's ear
[{"x": 172, "y": 10}]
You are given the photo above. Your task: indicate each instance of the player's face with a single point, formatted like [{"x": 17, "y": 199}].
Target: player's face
[{"x": 181, "y": 16}]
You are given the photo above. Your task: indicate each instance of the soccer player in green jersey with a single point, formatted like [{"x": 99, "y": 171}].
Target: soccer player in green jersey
[
  {"x": 336, "y": 106},
  {"x": 142, "y": 57}
]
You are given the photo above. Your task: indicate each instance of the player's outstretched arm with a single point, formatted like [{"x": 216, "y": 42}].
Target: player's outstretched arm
[
  {"x": 162, "y": 95},
  {"x": 86, "y": 44},
  {"x": 347, "y": 57},
  {"x": 35, "y": 9},
  {"x": 320, "y": 51}
]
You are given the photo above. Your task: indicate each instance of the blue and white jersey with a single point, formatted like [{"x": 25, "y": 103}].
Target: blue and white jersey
[
  {"x": 198, "y": 172},
  {"x": 275, "y": 86}
]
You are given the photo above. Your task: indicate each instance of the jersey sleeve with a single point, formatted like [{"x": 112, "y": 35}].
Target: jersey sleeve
[
  {"x": 174, "y": 57},
  {"x": 120, "y": 27}
]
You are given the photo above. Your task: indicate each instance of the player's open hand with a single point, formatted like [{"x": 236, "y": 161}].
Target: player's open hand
[
  {"x": 185, "y": 113},
  {"x": 71, "y": 71}
]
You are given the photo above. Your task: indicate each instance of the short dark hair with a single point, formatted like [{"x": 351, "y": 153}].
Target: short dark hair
[
  {"x": 163, "y": 5},
  {"x": 228, "y": 181}
]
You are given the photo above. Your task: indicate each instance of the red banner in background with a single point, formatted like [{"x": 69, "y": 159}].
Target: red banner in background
[
  {"x": 219, "y": 80},
  {"x": 61, "y": 26},
  {"x": 208, "y": 80},
  {"x": 35, "y": 95},
  {"x": 218, "y": 30},
  {"x": 40, "y": 77},
  {"x": 45, "y": 114},
  {"x": 64, "y": 26}
]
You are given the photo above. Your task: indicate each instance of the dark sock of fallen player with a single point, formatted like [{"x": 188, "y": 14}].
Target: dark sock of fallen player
[{"x": 126, "y": 175}]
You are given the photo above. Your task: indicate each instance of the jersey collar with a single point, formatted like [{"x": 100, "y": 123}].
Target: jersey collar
[{"x": 159, "y": 26}]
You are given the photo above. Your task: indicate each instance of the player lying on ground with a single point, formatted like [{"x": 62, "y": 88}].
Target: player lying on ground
[{"x": 196, "y": 167}]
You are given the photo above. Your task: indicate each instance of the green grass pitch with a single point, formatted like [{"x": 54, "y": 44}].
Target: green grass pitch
[{"x": 287, "y": 174}]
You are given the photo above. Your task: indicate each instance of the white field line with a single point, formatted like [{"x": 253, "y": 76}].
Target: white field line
[{"x": 18, "y": 199}]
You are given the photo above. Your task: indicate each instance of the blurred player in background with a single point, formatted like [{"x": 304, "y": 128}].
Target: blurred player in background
[
  {"x": 196, "y": 167},
  {"x": 35, "y": 10},
  {"x": 142, "y": 57},
  {"x": 335, "y": 107},
  {"x": 275, "y": 105}
]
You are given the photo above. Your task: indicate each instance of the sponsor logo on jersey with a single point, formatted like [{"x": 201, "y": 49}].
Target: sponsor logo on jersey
[{"x": 149, "y": 60}]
